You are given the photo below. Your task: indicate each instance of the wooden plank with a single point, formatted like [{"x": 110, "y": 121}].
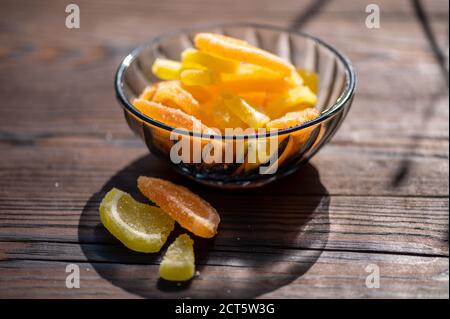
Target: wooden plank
[
  {"x": 378, "y": 194},
  {"x": 417, "y": 226},
  {"x": 281, "y": 274},
  {"x": 343, "y": 170},
  {"x": 44, "y": 203}
]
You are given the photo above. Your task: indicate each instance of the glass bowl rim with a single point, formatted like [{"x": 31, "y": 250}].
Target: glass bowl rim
[{"x": 335, "y": 108}]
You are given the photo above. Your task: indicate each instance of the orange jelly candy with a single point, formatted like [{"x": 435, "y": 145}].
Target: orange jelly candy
[
  {"x": 170, "y": 116},
  {"x": 149, "y": 92},
  {"x": 293, "y": 119},
  {"x": 172, "y": 94},
  {"x": 188, "y": 209},
  {"x": 235, "y": 49}
]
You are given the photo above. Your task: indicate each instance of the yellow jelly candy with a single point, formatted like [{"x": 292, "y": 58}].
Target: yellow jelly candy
[
  {"x": 196, "y": 77},
  {"x": 245, "y": 111},
  {"x": 297, "y": 97},
  {"x": 209, "y": 61},
  {"x": 138, "y": 226},
  {"x": 178, "y": 263},
  {"x": 252, "y": 71},
  {"x": 301, "y": 95},
  {"x": 215, "y": 114},
  {"x": 311, "y": 79},
  {"x": 166, "y": 69},
  {"x": 172, "y": 94},
  {"x": 224, "y": 118},
  {"x": 253, "y": 78},
  {"x": 295, "y": 79},
  {"x": 234, "y": 49}
]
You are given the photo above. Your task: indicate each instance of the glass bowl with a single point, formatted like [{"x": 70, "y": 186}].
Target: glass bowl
[{"x": 296, "y": 145}]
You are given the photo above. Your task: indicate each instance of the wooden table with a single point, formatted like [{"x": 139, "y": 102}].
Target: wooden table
[{"x": 376, "y": 195}]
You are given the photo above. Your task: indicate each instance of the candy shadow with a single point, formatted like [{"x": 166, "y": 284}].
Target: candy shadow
[{"x": 268, "y": 237}]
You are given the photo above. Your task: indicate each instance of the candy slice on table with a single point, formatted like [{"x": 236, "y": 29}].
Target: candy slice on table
[
  {"x": 188, "y": 209},
  {"x": 245, "y": 111},
  {"x": 166, "y": 69},
  {"x": 178, "y": 263},
  {"x": 149, "y": 92},
  {"x": 209, "y": 61},
  {"x": 300, "y": 97},
  {"x": 234, "y": 49},
  {"x": 310, "y": 79},
  {"x": 197, "y": 77},
  {"x": 140, "y": 227},
  {"x": 172, "y": 94},
  {"x": 170, "y": 116}
]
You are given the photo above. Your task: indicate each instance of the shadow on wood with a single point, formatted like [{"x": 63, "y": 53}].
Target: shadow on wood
[{"x": 266, "y": 239}]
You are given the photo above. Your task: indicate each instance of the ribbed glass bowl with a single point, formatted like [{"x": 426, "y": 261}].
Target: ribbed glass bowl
[{"x": 296, "y": 144}]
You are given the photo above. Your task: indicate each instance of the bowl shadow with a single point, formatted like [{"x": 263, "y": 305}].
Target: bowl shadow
[{"x": 268, "y": 237}]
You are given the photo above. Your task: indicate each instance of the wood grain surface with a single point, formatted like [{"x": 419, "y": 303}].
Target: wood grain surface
[{"x": 378, "y": 193}]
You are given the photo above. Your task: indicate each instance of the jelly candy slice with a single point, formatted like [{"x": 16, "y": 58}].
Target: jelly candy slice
[
  {"x": 138, "y": 226},
  {"x": 247, "y": 70},
  {"x": 298, "y": 138},
  {"x": 215, "y": 114},
  {"x": 310, "y": 79},
  {"x": 209, "y": 61},
  {"x": 254, "y": 98},
  {"x": 300, "y": 97},
  {"x": 196, "y": 77},
  {"x": 245, "y": 111},
  {"x": 201, "y": 93},
  {"x": 234, "y": 49},
  {"x": 170, "y": 116},
  {"x": 242, "y": 85},
  {"x": 252, "y": 78},
  {"x": 149, "y": 92},
  {"x": 293, "y": 119},
  {"x": 166, "y": 69},
  {"x": 188, "y": 209},
  {"x": 178, "y": 263},
  {"x": 172, "y": 94}
]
